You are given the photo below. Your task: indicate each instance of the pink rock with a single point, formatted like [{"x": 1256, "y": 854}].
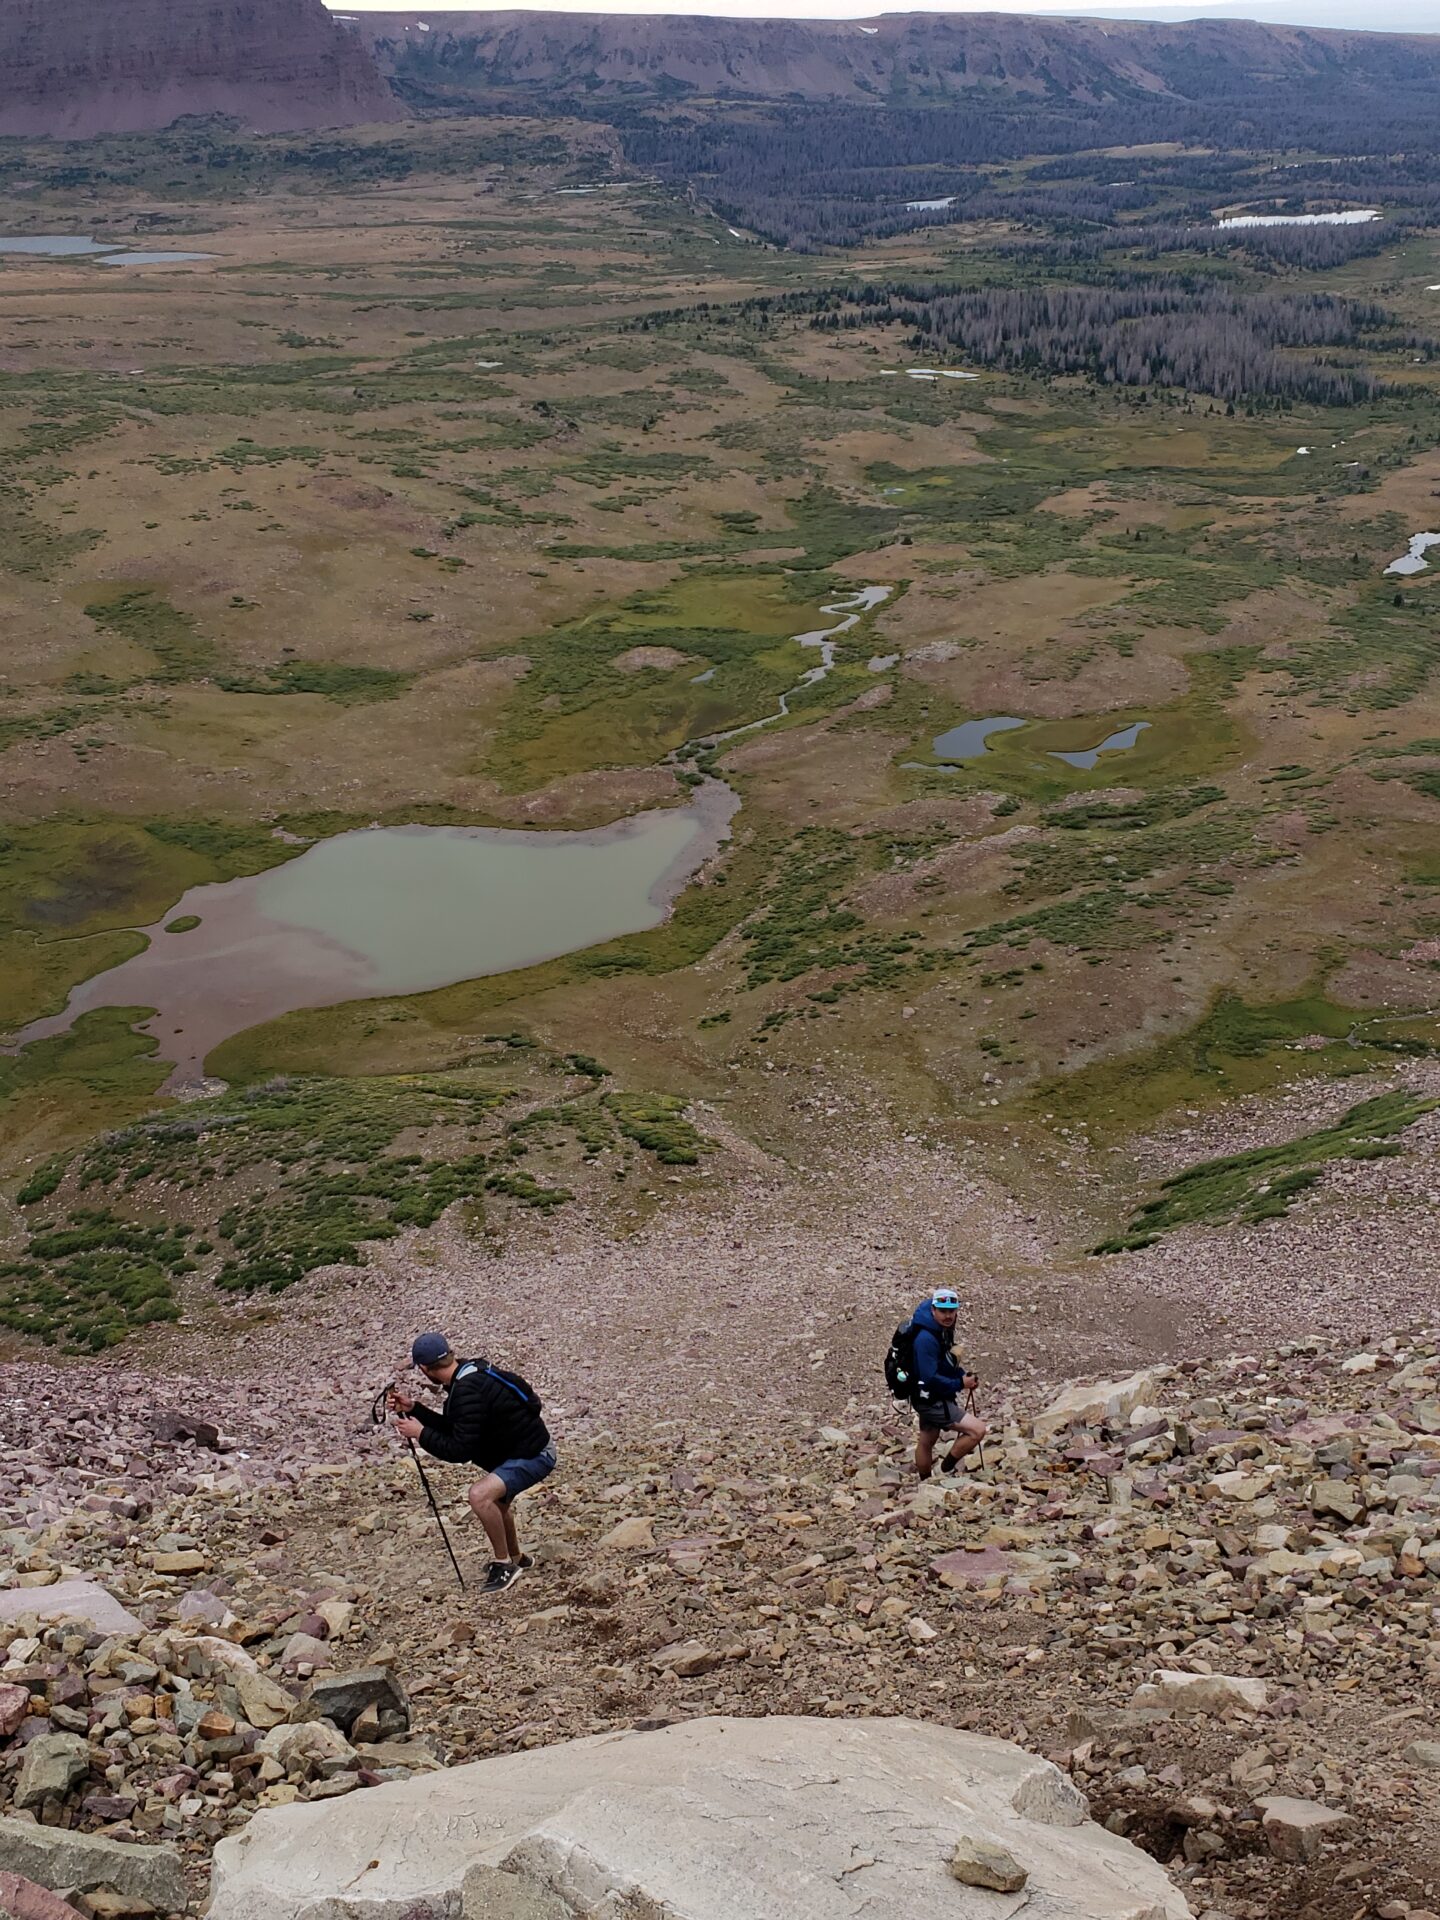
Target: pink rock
[
  {"x": 14, "y": 1705},
  {"x": 201, "y": 1606},
  {"x": 1323, "y": 1426},
  {"x": 22, "y": 1900},
  {"x": 302, "y": 1649},
  {"x": 692, "y": 1552},
  {"x": 109, "y": 1806},
  {"x": 962, "y": 1569}
]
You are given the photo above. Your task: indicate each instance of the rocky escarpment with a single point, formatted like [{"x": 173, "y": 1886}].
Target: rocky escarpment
[
  {"x": 901, "y": 58},
  {"x": 75, "y": 68}
]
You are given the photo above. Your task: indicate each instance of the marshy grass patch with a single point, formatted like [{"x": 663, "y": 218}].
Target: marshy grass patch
[
  {"x": 251, "y": 1190},
  {"x": 1264, "y": 1183}
]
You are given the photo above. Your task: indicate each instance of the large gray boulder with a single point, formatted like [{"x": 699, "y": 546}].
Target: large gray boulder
[
  {"x": 53, "y": 1764},
  {"x": 717, "y": 1819},
  {"x": 80, "y": 1862}
]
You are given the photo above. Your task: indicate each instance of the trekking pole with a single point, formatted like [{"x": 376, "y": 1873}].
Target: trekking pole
[
  {"x": 970, "y": 1407},
  {"x": 379, "y": 1406}
]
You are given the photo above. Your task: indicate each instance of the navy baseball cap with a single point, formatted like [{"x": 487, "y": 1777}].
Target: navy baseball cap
[{"x": 429, "y": 1349}]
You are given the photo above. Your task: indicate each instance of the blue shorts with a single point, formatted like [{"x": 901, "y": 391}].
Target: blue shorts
[{"x": 520, "y": 1475}]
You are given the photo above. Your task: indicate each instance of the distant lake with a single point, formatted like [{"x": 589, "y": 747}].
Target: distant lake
[
  {"x": 68, "y": 246},
  {"x": 1414, "y": 561},
  {"x": 150, "y": 259}
]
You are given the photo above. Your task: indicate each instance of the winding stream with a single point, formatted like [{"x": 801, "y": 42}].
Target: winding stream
[{"x": 853, "y": 607}]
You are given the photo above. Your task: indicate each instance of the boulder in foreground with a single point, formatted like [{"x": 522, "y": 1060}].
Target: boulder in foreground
[
  {"x": 775, "y": 1819},
  {"x": 79, "y": 1862}
]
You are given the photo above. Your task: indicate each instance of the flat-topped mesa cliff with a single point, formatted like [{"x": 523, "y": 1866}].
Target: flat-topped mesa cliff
[
  {"x": 70, "y": 69},
  {"x": 897, "y": 58}
]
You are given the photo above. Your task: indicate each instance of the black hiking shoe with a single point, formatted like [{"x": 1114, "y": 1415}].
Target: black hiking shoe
[
  {"x": 525, "y": 1562},
  {"x": 501, "y": 1575},
  {"x": 950, "y": 1464}
]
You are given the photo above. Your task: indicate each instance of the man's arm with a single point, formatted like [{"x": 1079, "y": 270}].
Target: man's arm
[
  {"x": 936, "y": 1367},
  {"x": 930, "y": 1368},
  {"x": 455, "y": 1434}
]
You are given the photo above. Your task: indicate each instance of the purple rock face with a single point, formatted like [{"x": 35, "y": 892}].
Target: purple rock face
[{"x": 75, "y": 68}]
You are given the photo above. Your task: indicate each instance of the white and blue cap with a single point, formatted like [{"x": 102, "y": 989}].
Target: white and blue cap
[
  {"x": 945, "y": 1299},
  {"x": 429, "y": 1349}
]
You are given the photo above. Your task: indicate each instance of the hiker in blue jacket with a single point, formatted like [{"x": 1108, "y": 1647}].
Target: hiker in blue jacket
[{"x": 941, "y": 1385}]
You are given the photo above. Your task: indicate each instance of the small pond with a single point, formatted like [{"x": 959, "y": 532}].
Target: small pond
[
  {"x": 110, "y": 253},
  {"x": 51, "y": 245},
  {"x": 928, "y": 373},
  {"x": 1414, "y": 561},
  {"x": 396, "y": 910},
  {"x": 1112, "y": 743},
  {"x": 967, "y": 741}
]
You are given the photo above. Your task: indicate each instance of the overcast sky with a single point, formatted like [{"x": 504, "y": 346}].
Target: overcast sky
[{"x": 1378, "y": 16}]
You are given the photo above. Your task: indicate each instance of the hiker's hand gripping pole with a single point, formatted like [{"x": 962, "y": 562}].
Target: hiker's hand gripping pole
[{"x": 387, "y": 1401}]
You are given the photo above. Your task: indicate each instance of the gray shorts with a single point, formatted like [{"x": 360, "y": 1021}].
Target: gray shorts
[{"x": 939, "y": 1415}]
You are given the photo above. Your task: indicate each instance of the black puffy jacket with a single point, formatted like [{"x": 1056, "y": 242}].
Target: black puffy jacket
[{"x": 484, "y": 1420}]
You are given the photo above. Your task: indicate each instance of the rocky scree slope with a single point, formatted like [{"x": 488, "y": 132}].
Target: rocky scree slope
[
  {"x": 71, "y": 69},
  {"x": 1211, "y": 1595}
]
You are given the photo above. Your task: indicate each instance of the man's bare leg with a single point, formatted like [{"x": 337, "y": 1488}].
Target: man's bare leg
[
  {"x": 512, "y": 1539},
  {"x": 968, "y": 1435},
  {"x": 484, "y": 1498},
  {"x": 926, "y": 1442}
]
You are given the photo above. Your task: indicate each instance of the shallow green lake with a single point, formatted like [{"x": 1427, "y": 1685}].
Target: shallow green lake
[{"x": 396, "y": 910}]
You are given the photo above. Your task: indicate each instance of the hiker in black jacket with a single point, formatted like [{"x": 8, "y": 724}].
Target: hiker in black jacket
[{"x": 493, "y": 1419}]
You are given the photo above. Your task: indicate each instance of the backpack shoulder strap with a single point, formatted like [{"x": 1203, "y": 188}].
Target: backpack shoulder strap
[{"x": 506, "y": 1381}]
